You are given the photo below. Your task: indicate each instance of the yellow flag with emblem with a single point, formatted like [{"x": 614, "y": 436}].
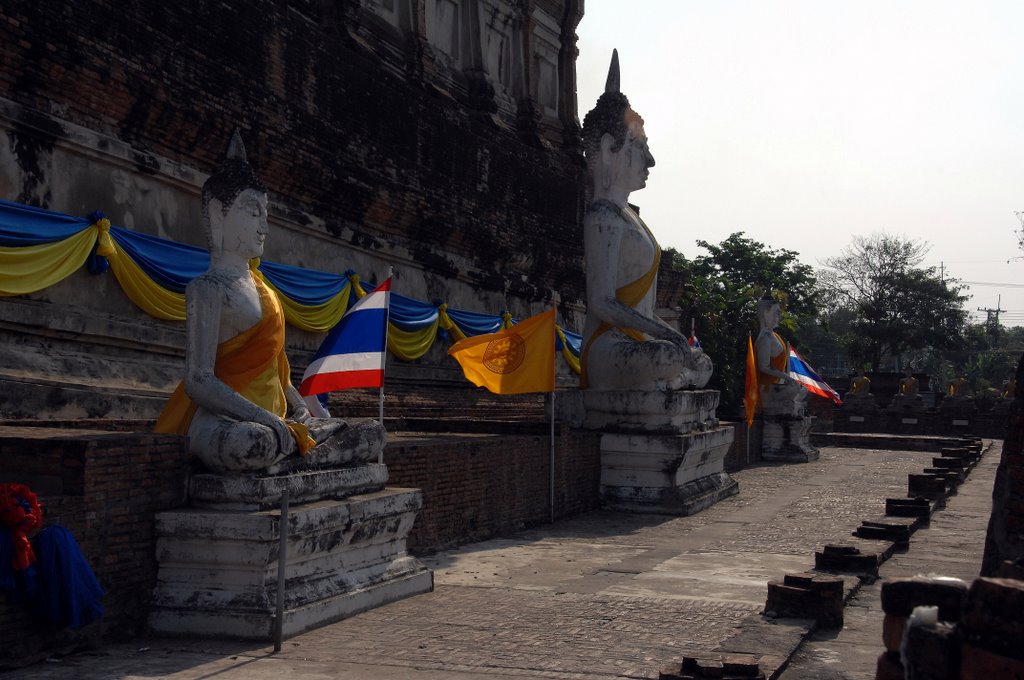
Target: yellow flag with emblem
[{"x": 516, "y": 360}]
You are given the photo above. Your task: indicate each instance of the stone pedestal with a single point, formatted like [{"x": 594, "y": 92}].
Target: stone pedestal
[
  {"x": 346, "y": 552},
  {"x": 786, "y": 432},
  {"x": 661, "y": 451},
  {"x": 787, "y": 439}
]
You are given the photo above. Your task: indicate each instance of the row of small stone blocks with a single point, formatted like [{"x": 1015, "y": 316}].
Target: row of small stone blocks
[
  {"x": 978, "y": 635},
  {"x": 820, "y": 596}
]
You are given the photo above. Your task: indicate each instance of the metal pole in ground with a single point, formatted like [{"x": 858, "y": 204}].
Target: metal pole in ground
[{"x": 282, "y": 558}]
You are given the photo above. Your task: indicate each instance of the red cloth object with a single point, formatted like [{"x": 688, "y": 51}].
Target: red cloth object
[{"x": 20, "y": 512}]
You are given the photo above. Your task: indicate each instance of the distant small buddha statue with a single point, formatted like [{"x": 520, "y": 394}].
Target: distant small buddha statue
[
  {"x": 1009, "y": 390},
  {"x": 957, "y": 388},
  {"x": 237, "y": 404},
  {"x": 909, "y": 385},
  {"x": 625, "y": 345},
  {"x": 860, "y": 386},
  {"x": 907, "y": 397}
]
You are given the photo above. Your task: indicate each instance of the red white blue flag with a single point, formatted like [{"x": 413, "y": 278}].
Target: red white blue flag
[
  {"x": 801, "y": 371},
  {"x": 353, "y": 353}
]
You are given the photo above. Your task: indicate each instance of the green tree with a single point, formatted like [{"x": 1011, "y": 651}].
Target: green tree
[
  {"x": 898, "y": 307},
  {"x": 721, "y": 294}
]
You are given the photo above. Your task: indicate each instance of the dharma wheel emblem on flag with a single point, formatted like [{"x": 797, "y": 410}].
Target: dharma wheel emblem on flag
[{"x": 504, "y": 355}]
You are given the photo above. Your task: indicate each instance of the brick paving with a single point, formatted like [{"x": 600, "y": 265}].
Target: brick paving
[{"x": 601, "y": 595}]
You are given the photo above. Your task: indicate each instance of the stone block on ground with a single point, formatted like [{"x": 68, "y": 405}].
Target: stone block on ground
[
  {"x": 712, "y": 665},
  {"x": 931, "y": 652},
  {"x": 977, "y": 663},
  {"x": 807, "y": 596},
  {"x": 897, "y": 529},
  {"x": 889, "y": 667},
  {"x": 909, "y": 507},
  {"x": 992, "y": 617},
  {"x": 901, "y": 595},
  {"x": 858, "y": 556},
  {"x": 926, "y": 486}
]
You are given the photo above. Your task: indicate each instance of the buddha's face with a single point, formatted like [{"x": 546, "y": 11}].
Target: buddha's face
[
  {"x": 245, "y": 225},
  {"x": 772, "y": 316},
  {"x": 636, "y": 159}
]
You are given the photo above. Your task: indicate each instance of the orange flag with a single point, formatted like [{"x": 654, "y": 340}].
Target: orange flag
[
  {"x": 516, "y": 360},
  {"x": 751, "y": 396}
]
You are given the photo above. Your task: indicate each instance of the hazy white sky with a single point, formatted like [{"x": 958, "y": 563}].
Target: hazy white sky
[{"x": 805, "y": 122}]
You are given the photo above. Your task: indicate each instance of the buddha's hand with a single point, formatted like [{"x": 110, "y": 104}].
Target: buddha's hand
[
  {"x": 301, "y": 414},
  {"x": 285, "y": 441}
]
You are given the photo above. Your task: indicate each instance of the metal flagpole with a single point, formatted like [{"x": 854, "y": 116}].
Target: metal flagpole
[
  {"x": 552, "y": 455},
  {"x": 746, "y": 453},
  {"x": 387, "y": 320}
]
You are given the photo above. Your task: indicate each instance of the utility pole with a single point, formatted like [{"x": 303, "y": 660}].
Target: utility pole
[{"x": 992, "y": 316}]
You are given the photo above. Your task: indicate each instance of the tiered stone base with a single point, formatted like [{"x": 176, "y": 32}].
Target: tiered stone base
[
  {"x": 661, "y": 451},
  {"x": 787, "y": 439},
  {"x": 666, "y": 474},
  {"x": 218, "y": 564}
]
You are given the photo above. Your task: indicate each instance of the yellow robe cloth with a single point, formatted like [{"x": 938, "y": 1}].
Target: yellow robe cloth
[
  {"x": 252, "y": 363},
  {"x": 630, "y": 294},
  {"x": 780, "y": 362}
]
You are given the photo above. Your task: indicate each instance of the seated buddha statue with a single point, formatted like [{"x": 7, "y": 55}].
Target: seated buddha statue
[
  {"x": 860, "y": 386},
  {"x": 625, "y": 345},
  {"x": 780, "y": 393},
  {"x": 909, "y": 385},
  {"x": 237, "y": 404}
]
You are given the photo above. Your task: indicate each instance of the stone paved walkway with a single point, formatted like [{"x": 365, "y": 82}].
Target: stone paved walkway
[{"x": 607, "y": 595}]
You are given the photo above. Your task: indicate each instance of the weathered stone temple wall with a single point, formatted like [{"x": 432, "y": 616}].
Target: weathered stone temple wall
[{"x": 437, "y": 136}]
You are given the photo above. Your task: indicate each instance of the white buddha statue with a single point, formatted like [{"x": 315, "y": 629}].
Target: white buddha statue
[
  {"x": 625, "y": 345},
  {"x": 237, "y": 404},
  {"x": 779, "y": 391}
]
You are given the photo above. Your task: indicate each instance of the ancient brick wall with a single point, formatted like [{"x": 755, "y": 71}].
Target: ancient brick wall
[
  {"x": 1005, "y": 537},
  {"x": 105, "y": 488},
  {"x": 480, "y": 486},
  {"x": 355, "y": 142}
]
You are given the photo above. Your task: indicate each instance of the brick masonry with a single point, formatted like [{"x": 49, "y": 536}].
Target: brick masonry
[{"x": 106, "y": 487}]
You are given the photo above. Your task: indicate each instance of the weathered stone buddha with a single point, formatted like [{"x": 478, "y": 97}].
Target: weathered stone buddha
[
  {"x": 237, "y": 404},
  {"x": 786, "y": 427},
  {"x": 625, "y": 345},
  {"x": 779, "y": 392}
]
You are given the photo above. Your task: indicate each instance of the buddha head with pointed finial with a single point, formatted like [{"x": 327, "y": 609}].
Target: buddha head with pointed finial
[
  {"x": 231, "y": 194},
  {"x": 614, "y": 141}
]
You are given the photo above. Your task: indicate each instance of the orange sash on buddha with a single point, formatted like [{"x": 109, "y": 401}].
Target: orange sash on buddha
[
  {"x": 630, "y": 294},
  {"x": 254, "y": 364},
  {"x": 780, "y": 362}
]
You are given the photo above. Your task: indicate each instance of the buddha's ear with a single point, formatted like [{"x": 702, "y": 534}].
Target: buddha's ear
[
  {"x": 216, "y": 213},
  {"x": 607, "y": 142}
]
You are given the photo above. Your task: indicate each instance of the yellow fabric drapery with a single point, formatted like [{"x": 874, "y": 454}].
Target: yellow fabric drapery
[
  {"x": 411, "y": 345},
  {"x": 27, "y": 269},
  {"x": 567, "y": 354},
  {"x": 147, "y": 294},
  {"x": 313, "y": 318}
]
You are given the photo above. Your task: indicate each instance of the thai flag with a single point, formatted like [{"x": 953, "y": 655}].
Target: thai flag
[
  {"x": 800, "y": 371},
  {"x": 692, "y": 341},
  {"x": 353, "y": 353}
]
